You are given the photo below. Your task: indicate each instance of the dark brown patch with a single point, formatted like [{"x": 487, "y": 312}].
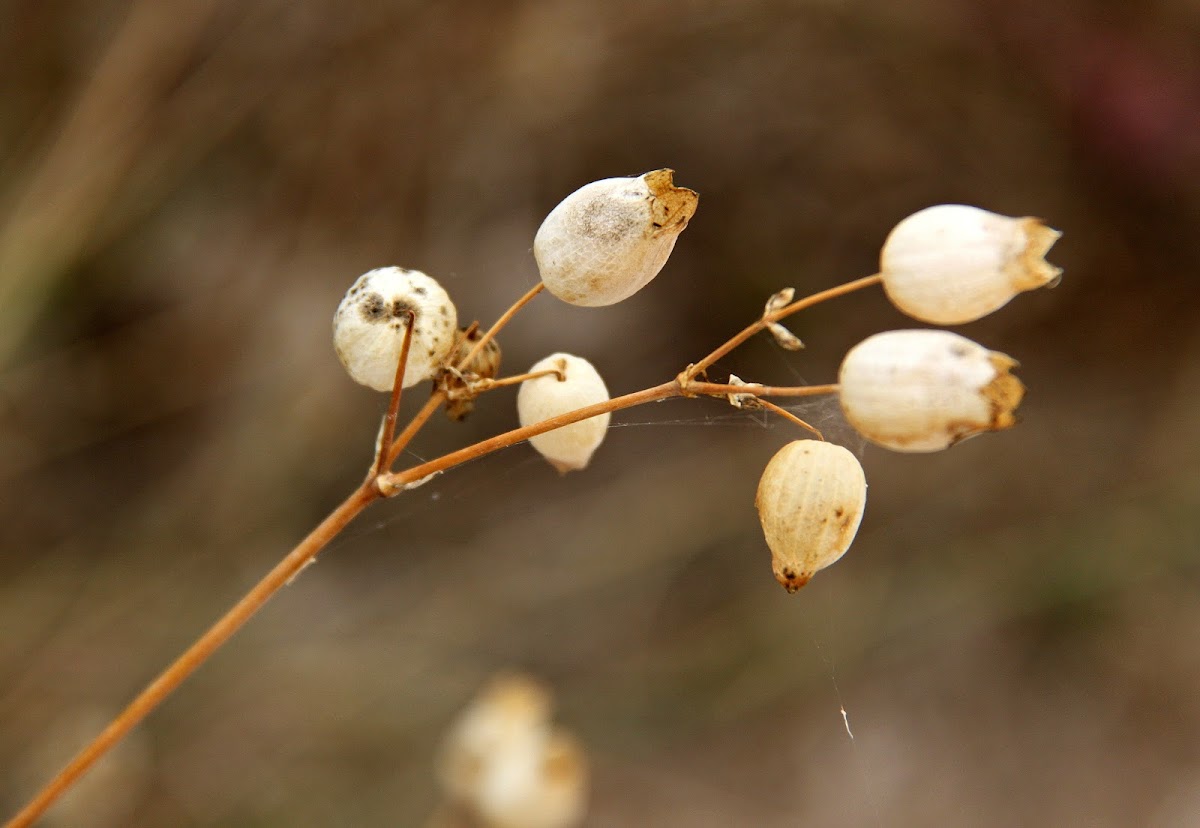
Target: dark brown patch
[
  {"x": 373, "y": 308},
  {"x": 402, "y": 308}
]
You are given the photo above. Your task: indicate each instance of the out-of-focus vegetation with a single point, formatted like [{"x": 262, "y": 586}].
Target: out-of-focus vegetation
[{"x": 188, "y": 187}]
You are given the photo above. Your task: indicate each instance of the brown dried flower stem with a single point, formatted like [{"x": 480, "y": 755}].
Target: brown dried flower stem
[
  {"x": 787, "y": 415},
  {"x": 388, "y": 428},
  {"x": 700, "y": 367},
  {"x": 380, "y": 483}
]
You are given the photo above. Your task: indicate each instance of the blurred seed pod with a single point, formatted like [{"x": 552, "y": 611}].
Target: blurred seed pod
[
  {"x": 369, "y": 326},
  {"x": 507, "y": 766},
  {"x": 608, "y": 239},
  {"x": 952, "y": 263},
  {"x": 810, "y": 502},
  {"x": 577, "y": 385},
  {"x": 925, "y": 390}
]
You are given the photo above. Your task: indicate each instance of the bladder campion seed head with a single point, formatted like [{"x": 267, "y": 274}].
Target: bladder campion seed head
[
  {"x": 810, "y": 501},
  {"x": 368, "y": 327},
  {"x": 608, "y": 239},
  {"x": 926, "y": 390},
  {"x": 953, "y": 263},
  {"x": 577, "y": 385}
]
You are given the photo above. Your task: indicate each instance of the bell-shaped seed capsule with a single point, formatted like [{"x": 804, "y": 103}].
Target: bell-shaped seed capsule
[
  {"x": 810, "y": 501},
  {"x": 952, "y": 263},
  {"x": 369, "y": 326},
  {"x": 926, "y": 390},
  {"x": 575, "y": 384},
  {"x": 608, "y": 239}
]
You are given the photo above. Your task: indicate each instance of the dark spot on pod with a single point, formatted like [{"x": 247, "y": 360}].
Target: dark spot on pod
[
  {"x": 402, "y": 308},
  {"x": 420, "y": 291},
  {"x": 840, "y": 511},
  {"x": 372, "y": 307}
]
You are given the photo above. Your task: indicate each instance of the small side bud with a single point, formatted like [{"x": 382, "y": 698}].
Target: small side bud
[
  {"x": 952, "y": 263},
  {"x": 369, "y": 325},
  {"x": 608, "y": 239},
  {"x": 925, "y": 390},
  {"x": 810, "y": 502},
  {"x": 575, "y": 385}
]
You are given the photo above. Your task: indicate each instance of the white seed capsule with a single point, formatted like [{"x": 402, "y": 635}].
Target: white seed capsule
[
  {"x": 369, "y": 325},
  {"x": 608, "y": 239},
  {"x": 810, "y": 501},
  {"x": 926, "y": 390},
  {"x": 577, "y": 385},
  {"x": 953, "y": 263}
]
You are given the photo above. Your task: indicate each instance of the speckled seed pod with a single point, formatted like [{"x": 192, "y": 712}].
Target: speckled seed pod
[
  {"x": 368, "y": 328},
  {"x": 608, "y": 239},
  {"x": 571, "y": 447},
  {"x": 926, "y": 390},
  {"x": 953, "y": 263},
  {"x": 810, "y": 501}
]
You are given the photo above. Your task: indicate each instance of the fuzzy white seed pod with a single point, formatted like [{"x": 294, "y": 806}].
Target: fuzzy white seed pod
[
  {"x": 926, "y": 390},
  {"x": 810, "y": 501},
  {"x": 608, "y": 239},
  {"x": 953, "y": 263},
  {"x": 369, "y": 325},
  {"x": 577, "y": 385}
]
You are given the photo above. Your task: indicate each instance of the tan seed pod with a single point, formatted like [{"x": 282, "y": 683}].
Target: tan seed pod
[
  {"x": 369, "y": 325},
  {"x": 608, "y": 239},
  {"x": 577, "y": 385},
  {"x": 925, "y": 390},
  {"x": 810, "y": 501},
  {"x": 952, "y": 263}
]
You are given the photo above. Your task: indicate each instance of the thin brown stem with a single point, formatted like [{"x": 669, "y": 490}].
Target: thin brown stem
[
  {"x": 395, "y": 482},
  {"x": 700, "y": 367},
  {"x": 787, "y": 415},
  {"x": 414, "y": 425},
  {"x": 504, "y": 319},
  {"x": 198, "y": 653},
  {"x": 483, "y": 385},
  {"x": 383, "y": 444},
  {"x": 716, "y": 389}
]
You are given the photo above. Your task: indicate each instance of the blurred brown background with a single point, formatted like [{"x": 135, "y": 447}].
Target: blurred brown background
[{"x": 187, "y": 187}]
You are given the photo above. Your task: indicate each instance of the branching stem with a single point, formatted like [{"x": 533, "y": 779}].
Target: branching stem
[{"x": 381, "y": 482}]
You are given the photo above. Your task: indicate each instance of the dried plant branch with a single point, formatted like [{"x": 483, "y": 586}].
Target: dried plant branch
[
  {"x": 698, "y": 368},
  {"x": 381, "y": 483}
]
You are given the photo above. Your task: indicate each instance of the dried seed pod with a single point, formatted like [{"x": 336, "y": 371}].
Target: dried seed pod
[
  {"x": 507, "y": 766},
  {"x": 369, "y": 325},
  {"x": 926, "y": 390},
  {"x": 952, "y": 263},
  {"x": 577, "y": 385},
  {"x": 608, "y": 239},
  {"x": 484, "y": 365},
  {"x": 810, "y": 501}
]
